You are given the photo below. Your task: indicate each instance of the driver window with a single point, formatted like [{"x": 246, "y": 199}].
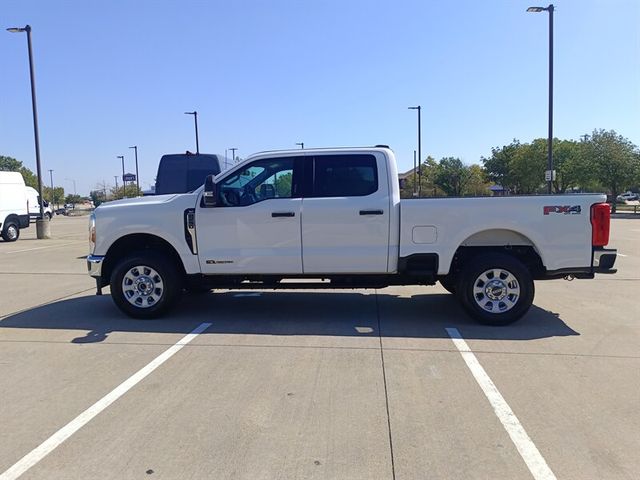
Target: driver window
[{"x": 261, "y": 180}]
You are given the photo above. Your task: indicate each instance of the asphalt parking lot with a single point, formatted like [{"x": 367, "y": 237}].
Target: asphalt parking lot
[{"x": 323, "y": 385}]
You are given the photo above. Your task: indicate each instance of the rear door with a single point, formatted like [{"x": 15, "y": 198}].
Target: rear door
[{"x": 345, "y": 214}]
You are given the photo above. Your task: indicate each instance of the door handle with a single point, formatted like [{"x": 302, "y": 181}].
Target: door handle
[
  {"x": 371, "y": 212},
  {"x": 282, "y": 214}
]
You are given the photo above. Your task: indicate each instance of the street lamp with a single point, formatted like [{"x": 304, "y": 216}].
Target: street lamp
[
  {"x": 419, "y": 109},
  {"x": 195, "y": 118},
  {"x": 135, "y": 147},
  {"x": 42, "y": 224},
  {"x": 124, "y": 184},
  {"x": 233, "y": 154},
  {"x": 549, "y": 176},
  {"x": 300, "y": 144}
]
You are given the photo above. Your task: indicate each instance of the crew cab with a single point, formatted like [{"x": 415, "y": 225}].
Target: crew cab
[{"x": 333, "y": 218}]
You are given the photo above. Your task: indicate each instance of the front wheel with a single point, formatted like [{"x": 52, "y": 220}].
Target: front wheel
[
  {"x": 11, "y": 231},
  {"x": 145, "y": 285},
  {"x": 495, "y": 289}
]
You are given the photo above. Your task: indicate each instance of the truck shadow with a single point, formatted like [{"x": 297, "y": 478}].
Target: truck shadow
[{"x": 287, "y": 313}]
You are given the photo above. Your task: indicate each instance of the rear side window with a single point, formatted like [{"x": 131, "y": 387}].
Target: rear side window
[{"x": 344, "y": 176}]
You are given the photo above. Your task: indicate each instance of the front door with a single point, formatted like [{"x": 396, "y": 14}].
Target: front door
[{"x": 255, "y": 227}]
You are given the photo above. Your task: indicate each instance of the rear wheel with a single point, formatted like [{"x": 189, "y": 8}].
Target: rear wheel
[
  {"x": 145, "y": 285},
  {"x": 495, "y": 289},
  {"x": 11, "y": 231}
]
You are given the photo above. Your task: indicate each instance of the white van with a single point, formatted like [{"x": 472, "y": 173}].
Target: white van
[
  {"x": 34, "y": 205},
  {"x": 14, "y": 205}
]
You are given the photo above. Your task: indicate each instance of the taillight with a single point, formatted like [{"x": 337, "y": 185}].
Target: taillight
[{"x": 600, "y": 223}]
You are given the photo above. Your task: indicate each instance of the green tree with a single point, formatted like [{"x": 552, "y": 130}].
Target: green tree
[
  {"x": 119, "y": 193},
  {"x": 58, "y": 195},
  {"x": 614, "y": 159},
  {"x": 452, "y": 176},
  {"x": 477, "y": 184},
  {"x": 498, "y": 166},
  {"x": 283, "y": 184},
  {"x": 73, "y": 199},
  {"x": 527, "y": 167},
  {"x": 425, "y": 179},
  {"x": 10, "y": 164},
  {"x": 97, "y": 197}
]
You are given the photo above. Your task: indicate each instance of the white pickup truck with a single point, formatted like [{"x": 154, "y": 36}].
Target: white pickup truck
[{"x": 280, "y": 220}]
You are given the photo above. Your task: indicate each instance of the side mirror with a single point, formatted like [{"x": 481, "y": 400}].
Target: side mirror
[{"x": 210, "y": 193}]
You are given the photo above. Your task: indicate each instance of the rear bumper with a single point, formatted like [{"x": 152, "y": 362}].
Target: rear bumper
[{"x": 602, "y": 261}]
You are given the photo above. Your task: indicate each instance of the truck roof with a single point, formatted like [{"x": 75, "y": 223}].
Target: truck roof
[{"x": 310, "y": 151}]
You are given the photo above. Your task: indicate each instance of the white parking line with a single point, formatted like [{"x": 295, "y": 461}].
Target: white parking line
[
  {"x": 48, "y": 246},
  {"x": 527, "y": 449},
  {"x": 46, "y": 447},
  {"x": 621, "y": 254}
]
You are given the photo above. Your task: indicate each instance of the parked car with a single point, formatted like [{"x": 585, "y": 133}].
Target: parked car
[
  {"x": 14, "y": 205},
  {"x": 336, "y": 214},
  {"x": 627, "y": 196}
]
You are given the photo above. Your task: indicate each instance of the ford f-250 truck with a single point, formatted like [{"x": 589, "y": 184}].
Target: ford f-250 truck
[{"x": 281, "y": 219}]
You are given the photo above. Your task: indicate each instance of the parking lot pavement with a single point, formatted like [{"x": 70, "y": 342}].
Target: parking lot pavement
[{"x": 329, "y": 384}]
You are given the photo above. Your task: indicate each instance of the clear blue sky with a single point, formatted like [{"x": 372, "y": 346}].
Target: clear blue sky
[{"x": 267, "y": 74}]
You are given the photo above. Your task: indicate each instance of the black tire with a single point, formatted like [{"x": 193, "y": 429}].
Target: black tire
[
  {"x": 10, "y": 231},
  {"x": 159, "y": 275},
  {"x": 448, "y": 283},
  {"x": 510, "y": 297},
  {"x": 47, "y": 216}
]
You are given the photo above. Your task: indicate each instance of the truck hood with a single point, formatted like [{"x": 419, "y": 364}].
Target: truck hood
[{"x": 138, "y": 202}]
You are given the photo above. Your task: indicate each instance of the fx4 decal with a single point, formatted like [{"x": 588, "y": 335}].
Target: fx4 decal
[{"x": 564, "y": 209}]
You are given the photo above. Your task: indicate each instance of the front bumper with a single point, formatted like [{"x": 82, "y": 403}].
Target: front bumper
[{"x": 94, "y": 265}]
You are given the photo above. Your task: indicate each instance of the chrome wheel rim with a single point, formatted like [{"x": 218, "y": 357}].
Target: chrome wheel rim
[
  {"x": 12, "y": 232},
  {"x": 142, "y": 286},
  {"x": 496, "y": 290}
]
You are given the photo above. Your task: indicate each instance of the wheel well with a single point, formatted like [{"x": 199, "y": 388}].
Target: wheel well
[
  {"x": 525, "y": 253},
  {"x": 10, "y": 217},
  {"x": 136, "y": 242}
]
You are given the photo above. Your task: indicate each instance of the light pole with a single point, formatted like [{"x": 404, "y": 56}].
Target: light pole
[
  {"x": 550, "y": 173},
  {"x": 301, "y": 145},
  {"x": 124, "y": 184},
  {"x": 195, "y": 119},
  {"x": 419, "y": 109},
  {"x": 52, "y": 195},
  {"x": 42, "y": 224},
  {"x": 135, "y": 148},
  {"x": 415, "y": 192},
  {"x": 233, "y": 155}
]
